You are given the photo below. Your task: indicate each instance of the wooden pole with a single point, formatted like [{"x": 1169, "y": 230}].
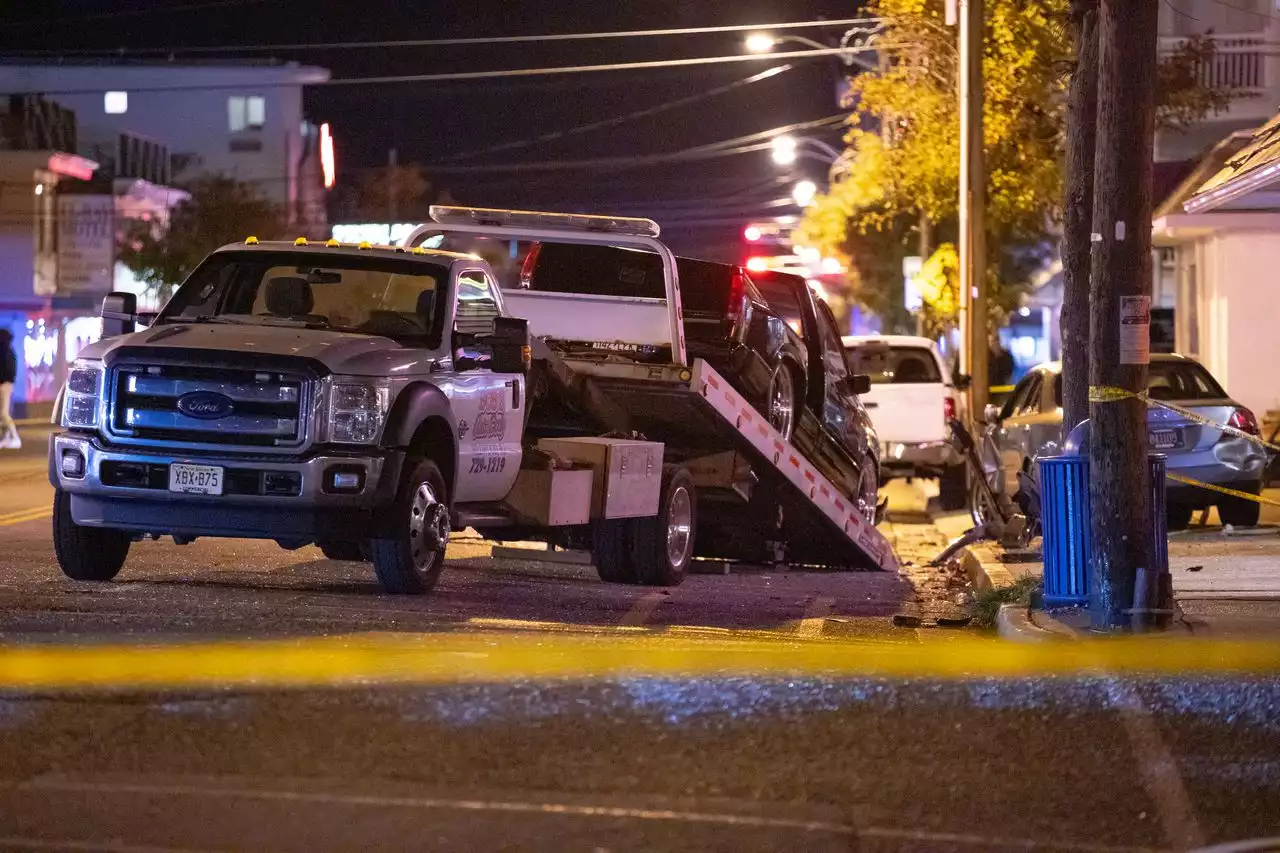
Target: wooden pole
[
  {"x": 1082, "y": 126},
  {"x": 1120, "y": 303}
]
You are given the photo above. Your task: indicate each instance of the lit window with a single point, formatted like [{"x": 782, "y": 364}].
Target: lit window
[
  {"x": 256, "y": 111},
  {"x": 236, "y": 112},
  {"x": 115, "y": 103}
]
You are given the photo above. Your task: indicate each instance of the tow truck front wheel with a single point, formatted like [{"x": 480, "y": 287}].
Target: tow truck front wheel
[
  {"x": 409, "y": 557},
  {"x": 86, "y": 553}
]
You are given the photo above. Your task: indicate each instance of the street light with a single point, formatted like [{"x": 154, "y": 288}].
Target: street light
[
  {"x": 784, "y": 149},
  {"x": 850, "y": 47},
  {"x": 803, "y": 192}
]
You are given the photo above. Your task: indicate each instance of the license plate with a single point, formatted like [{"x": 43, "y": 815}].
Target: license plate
[
  {"x": 195, "y": 479},
  {"x": 1165, "y": 439}
]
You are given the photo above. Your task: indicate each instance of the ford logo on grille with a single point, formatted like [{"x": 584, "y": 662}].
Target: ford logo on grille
[{"x": 205, "y": 405}]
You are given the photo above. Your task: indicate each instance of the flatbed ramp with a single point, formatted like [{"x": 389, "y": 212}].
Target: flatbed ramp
[
  {"x": 818, "y": 499},
  {"x": 701, "y": 419}
]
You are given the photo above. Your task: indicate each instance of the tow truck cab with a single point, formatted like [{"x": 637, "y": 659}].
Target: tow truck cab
[{"x": 283, "y": 393}]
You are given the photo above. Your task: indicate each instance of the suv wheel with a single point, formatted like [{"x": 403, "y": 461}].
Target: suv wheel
[
  {"x": 409, "y": 556},
  {"x": 86, "y": 553},
  {"x": 662, "y": 545},
  {"x": 780, "y": 406},
  {"x": 868, "y": 489}
]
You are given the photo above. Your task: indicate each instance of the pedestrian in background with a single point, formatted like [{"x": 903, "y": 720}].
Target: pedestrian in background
[{"x": 8, "y": 375}]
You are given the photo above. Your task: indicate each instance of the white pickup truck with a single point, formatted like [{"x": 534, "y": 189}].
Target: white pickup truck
[
  {"x": 371, "y": 399},
  {"x": 912, "y": 398}
]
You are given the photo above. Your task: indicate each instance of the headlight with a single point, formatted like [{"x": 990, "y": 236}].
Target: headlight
[
  {"x": 82, "y": 394},
  {"x": 357, "y": 410}
]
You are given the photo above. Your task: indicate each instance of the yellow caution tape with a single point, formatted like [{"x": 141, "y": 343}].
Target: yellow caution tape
[
  {"x": 451, "y": 658},
  {"x": 1235, "y": 493},
  {"x": 1105, "y": 394},
  {"x": 1000, "y": 389}
]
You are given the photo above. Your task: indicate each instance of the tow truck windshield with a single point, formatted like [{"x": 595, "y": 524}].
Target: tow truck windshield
[{"x": 389, "y": 297}]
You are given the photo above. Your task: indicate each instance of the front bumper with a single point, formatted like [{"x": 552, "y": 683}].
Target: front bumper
[
  {"x": 917, "y": 459},
  {"x": 311, "y": 513}
]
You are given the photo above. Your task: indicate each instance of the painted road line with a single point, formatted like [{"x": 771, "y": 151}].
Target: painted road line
[
  {"x": 25, "y": 516},
  {"x": 815, "y": 617},
  {"x": 495, "y": 657},
  {"x": 208, "y": 793},
  {"x": 643, "y": 608}
]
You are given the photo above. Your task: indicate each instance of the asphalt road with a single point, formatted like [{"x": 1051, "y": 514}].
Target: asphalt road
[{"x": 692, "y": 751}]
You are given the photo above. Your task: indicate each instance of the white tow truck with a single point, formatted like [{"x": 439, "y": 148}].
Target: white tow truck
[{"x": 373, "y": 399}]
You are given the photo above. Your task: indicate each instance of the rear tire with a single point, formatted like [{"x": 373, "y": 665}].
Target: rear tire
[
  {"x": 662, "y": 545},
  {"x": 86, "y": 553},
  {"x": 953, "y": 488},
  {"x": 1178, "y": 517},
  {"x": 1239, "y": 512},
  {"x": 408, "y": 559},
  {"x": 611, "y": 550}
]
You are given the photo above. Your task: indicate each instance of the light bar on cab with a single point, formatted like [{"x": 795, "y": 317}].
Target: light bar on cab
[{"x": 446, "y": 214}]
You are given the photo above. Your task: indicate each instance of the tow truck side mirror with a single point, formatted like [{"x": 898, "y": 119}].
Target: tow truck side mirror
[
  {"x": 119, "y": 314},
  {"x": 510, "y": 345},
  {"x": 858, "y": 384}
]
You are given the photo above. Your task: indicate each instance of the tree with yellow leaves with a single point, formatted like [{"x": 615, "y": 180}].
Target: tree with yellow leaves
[{"x": 904, "y": 151}]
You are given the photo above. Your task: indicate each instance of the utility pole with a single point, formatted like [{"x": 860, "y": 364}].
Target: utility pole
[
  {"x": 925, "y": 249},
  {"x": 1077, "y": 224},
  {"x": 393, "y": 200},
  {"x": 1120, "y": 311},
  {"x": 973, "y": 185}
]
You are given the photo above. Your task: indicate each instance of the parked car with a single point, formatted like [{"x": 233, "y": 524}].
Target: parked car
[
  {"x": 763, "y": 331},
  {"x": 911, "y": 401},
  {"x": 1032, "y": 420}
]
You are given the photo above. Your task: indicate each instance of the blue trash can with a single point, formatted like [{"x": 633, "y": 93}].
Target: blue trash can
[
  {"x": 1064, "y": 520},
  {"x": 1064, "y": 523}
]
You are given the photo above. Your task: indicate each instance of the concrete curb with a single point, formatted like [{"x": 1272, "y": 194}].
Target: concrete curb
[
  {"x": 978, "y": 577},
  {"x": 1014, "y": 622}
]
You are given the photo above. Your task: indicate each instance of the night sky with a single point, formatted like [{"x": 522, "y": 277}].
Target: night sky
[{"x": 433, "y": 123}]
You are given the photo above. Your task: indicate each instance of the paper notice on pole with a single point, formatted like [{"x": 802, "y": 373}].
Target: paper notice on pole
[{"x": 1135, "y": 329}]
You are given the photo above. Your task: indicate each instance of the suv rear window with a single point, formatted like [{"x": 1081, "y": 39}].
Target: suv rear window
[
  {"x": 893, "y": 365},
  {"x": 615, "y": 271}
]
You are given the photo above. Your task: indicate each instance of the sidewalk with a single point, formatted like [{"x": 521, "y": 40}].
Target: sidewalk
[{"x": 1225, "y": 581}]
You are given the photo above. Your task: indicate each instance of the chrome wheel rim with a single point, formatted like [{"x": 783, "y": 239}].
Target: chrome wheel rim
[
  {"x": 428, "y": 527},
  {"x": 782, "y": 402},
  {"x": 868, "y": 491},
  {"x": 679, "y": 526}
]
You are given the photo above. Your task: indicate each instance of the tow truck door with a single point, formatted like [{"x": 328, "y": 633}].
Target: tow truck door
[{"x": 488, "y": 407}]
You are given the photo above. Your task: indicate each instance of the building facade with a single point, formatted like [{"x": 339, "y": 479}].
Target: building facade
[
  {"x": 239, "y": 119},
  {"x": 1246, "y": 34}
]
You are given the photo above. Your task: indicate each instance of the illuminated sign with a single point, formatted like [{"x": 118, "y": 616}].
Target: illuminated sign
[
  {"x": 327, "y": 163},
  {"x": 377, "y": 233}
]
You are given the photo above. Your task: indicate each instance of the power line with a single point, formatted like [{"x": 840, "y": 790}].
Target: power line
[
  {"x": 471, "y": 75},
  {"x": 618, "y": 120},
  {"x": 758, "y": 141},
  {"x": 127, "y": 13},
  {"x": 447, "y": 42}
]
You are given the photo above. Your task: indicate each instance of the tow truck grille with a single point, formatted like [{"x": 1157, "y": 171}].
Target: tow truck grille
[{"x": 232, "y": 406}]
